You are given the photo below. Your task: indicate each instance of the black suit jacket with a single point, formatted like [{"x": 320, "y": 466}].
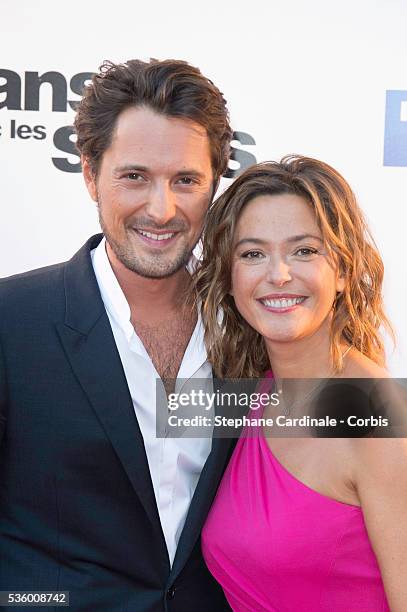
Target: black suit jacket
[{"x": 77, "y": 507}]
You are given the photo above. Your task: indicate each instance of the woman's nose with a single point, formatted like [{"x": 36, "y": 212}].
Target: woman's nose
[{"x": 278, "y": 272}]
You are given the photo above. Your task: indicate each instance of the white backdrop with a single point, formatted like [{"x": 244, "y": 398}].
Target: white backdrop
[{"x": 300, "y": 77}]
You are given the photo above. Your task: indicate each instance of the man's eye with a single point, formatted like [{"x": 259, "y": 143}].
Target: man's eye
[
  {"x": 252, "y": 255},
  {"x": 134, "y": 176},
  {"x": 186, "y": 180},
  {"x": 305, "y": 251}
]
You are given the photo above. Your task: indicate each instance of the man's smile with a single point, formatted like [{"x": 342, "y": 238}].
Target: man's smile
[{"x": 155, "y": 238}]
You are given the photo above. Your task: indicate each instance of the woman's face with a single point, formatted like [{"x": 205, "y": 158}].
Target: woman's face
[{"x": 283, "y": 281}]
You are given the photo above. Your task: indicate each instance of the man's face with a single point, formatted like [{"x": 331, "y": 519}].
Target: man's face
[{"x": 153, "y": 189}]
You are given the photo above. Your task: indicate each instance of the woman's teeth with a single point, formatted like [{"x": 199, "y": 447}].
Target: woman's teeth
[{"x": 282, "y": 302}]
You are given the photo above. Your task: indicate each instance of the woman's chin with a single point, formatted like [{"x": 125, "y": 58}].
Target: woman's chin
[{"x": 280, "y": 336}]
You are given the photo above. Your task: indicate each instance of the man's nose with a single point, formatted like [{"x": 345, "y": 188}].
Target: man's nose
[
  {"x": 278, "y": 272},
  {"x": 161, "y": 206}
]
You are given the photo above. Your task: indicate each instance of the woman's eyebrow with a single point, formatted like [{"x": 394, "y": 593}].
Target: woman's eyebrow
[
  {"x": 291, "y": 239},
  {"x": 252, "y": 240},
  {"x": 300, "y": 237}
]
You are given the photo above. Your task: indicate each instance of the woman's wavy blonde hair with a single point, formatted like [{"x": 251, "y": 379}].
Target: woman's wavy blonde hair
[{"x": 237, "y": 350}]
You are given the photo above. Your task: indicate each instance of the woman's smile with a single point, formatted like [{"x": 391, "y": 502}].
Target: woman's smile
[{"x": 281, "y": 303}]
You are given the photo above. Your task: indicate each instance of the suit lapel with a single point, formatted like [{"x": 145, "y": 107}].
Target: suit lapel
[
  {"x": 89, "y": 344},
  {"x": 203, "y": 496}
]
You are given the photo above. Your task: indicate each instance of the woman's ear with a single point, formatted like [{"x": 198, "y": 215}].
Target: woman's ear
[{"x": 340, "y": 283}]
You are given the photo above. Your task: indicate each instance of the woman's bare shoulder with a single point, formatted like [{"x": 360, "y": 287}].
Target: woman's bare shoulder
[{"x": 358, "y": 365}]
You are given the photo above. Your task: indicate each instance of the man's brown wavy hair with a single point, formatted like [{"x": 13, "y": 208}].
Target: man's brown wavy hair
[
  {"x": 172, "y": 88},
  {"x": 237, "y": 350}
]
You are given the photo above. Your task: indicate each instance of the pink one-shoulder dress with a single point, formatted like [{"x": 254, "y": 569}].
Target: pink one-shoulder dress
[{"x": 274, "y": 544}]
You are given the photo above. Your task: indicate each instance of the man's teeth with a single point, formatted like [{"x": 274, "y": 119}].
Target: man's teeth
[
  {"x": 156, "y": 236},
  {"x": 283, "y": 302}
]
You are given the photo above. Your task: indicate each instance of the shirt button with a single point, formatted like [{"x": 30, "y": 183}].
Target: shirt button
[{"x": 171, "y": 592}]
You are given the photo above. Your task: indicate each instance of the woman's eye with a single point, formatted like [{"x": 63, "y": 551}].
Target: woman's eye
[
  {"x": 305, "y": 251},
  {"x": 252, "y": 255}
]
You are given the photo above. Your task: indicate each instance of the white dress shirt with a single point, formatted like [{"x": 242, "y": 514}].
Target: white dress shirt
[{"x": 175, "y": 463}]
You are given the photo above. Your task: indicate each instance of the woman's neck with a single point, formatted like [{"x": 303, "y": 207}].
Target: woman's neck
[{"x": 307, "y": 357}]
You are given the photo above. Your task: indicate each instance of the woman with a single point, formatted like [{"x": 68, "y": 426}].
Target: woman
[{"x": 301, "y": 524}]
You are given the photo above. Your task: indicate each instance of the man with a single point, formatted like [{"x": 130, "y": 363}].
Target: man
[{"x": 91, "y": 501}]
